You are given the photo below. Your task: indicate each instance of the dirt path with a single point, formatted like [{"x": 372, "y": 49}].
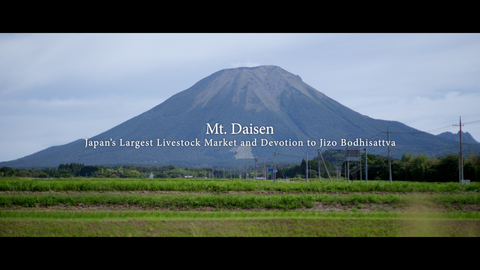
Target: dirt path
[
  {"x": 256, "y": 192},
  {"x": 317, "y": 207}
]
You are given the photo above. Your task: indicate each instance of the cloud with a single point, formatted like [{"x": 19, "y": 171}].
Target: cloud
[
  {"x": 426, "y": 113},
  {"x": 33, "y": 125},
  {"x": 56, "y": 88}
]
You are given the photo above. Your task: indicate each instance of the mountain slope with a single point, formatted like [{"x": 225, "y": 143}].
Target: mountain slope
[
  {"x": 261, "y": 96},
  {"x": 466, "y": 137}
]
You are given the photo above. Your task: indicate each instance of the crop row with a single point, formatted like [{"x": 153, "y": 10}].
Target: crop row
[
  {"x": 228, "y": 185},
  {"x": 245, "y": 201},
  {"x": 276, "y": 227},
  {"x": 47, "y": 214}
]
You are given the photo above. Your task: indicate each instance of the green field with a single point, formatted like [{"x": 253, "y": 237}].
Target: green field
[{"x": 222, "y": 207}]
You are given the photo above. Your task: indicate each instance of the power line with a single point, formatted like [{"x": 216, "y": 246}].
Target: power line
[
  {"x": 375, "y": 135},
  {"x": 476, "y": 121},
  {"x": 428, "y": 131},
  {"x": 438, "y": 128}
]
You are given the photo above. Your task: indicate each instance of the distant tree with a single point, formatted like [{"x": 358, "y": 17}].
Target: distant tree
[
  {"x": 132, "y": 174},
  {"x": 64, "y": 173},
  {"x": 175, "y": 175},
  {"x": 446, "y": 170},
  {"x": 303, "y": 166},
  {"x": 87, "y": 171},
  {"x": 469, "y": 171},
  {"x": 42, "y": 174},
  {"x": 7, "y": 171}
]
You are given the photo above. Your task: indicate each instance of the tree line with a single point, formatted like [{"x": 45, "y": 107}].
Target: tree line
[
  {"x": 80, "y": 170},
  {"x": 421, "y": 168}
]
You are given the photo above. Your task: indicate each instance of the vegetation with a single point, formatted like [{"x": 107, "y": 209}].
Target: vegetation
[
  {"x": 245, "y": 227},
  {"x": 243, "y": 201},
  {"x": 420, "y": 168},
  {"x": 223, "y": 185},
  {"x": 123, "y": 201},
  {"x": 156, "y": 215}
]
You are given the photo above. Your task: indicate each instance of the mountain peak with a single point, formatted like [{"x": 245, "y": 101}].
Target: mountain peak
[
  {"x": 247, "y": 84},
  {"x": 466, "y": 137},
  {"x": 247, "y": 96}
]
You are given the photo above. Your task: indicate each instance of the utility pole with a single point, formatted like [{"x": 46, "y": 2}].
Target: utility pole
[
  {"x": 306, "y": 175},
  {"x": 319, "y": 168},
  {"x": 360, "y": 171},
  {"x": 326, "y": 169},
  {"x": 461, "y": 151},
  {"x": 246, "y": 171},
  {"x": 389, "y": 161},
  {"x": 348, "y": 171},
  {"x": 460, "y": 157},
  {"x": 264, "y": 167},
  {"x": 256, "y": 159},
  {"x": 366, "y": 166},
  {"x": 275, "y": 166}
]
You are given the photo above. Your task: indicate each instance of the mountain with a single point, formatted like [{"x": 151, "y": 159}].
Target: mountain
[
  {"x": 466, "y": 137},
  {"x": 265, "y": 96}
]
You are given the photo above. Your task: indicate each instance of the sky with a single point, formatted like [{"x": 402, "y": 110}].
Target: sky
[{"x": 58, "y": 88}]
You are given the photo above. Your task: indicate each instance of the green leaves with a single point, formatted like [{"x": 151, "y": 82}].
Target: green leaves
[{"x": 229, "y": 185}]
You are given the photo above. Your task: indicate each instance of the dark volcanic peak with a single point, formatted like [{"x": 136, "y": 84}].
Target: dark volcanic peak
[
  {"x": 466, "y": 137},
  {"x": 263, "y": 83},
  {"x": 265, "y": 96}
]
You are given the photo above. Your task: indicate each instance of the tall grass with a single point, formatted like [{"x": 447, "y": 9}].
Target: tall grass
[
  {"x": 9, "y": 184},
  {"x": 244, "y": 201},
  {"x": 141, "y": 226},
  {"x": 221, "y": 214},
  {"x": 180, "y": 201}
]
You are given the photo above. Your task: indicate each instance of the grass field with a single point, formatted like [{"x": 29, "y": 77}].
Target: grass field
[{"x": 222, "y": 207}]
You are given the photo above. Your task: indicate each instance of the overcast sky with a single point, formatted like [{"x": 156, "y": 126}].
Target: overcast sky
[{"x": 57, "y": 88}]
